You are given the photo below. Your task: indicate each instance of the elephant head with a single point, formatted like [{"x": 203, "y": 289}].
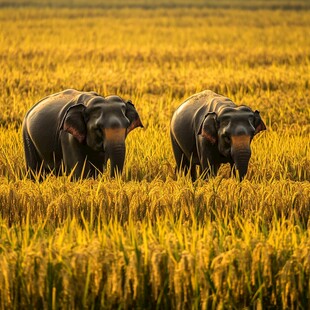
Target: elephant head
[
  {"x": 103, "y": 124},
  {"x": 232, "y": 130}
]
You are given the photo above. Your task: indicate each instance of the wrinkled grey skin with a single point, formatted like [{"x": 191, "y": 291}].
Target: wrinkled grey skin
[
  {"x": 82, "y": 130},
  {"x": 209, "y": 129}
]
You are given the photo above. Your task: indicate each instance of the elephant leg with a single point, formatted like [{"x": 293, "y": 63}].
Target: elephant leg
[
  {"x": 74, "y": 159},
  {"x": 208, "y": 164},
  {"x": 193, "y": 172},
  {"x": 34, "y": 164},
  {"x": 208, "y": 170},
  {"x": 183, "y": 164}
]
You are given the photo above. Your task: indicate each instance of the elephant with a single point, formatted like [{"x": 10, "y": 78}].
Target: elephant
[
  {"x": 77, "y": 132},
  {"x": 208, "y": 130}
]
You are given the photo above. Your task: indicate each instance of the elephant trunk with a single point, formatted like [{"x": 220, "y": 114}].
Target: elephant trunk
[
  {"x": 241, "y": 153},
  {"x": 115, "y": 147}
]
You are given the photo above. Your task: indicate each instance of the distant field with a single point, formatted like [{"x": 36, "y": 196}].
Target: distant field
[
  {"x": 151, "y": 4},
  {"x": 151, "y": 239}
]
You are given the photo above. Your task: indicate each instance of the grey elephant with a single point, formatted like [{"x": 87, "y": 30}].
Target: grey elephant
[
  {"x": 209, "y": 129},
  {"x": 78, "y": 132}
]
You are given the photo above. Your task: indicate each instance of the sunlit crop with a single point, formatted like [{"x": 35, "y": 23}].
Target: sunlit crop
[{"x": 152, "y": 239}]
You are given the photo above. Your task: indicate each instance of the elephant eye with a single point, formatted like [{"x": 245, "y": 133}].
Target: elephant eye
[
  {"x": 227, "y": 139},
  {"x": 98, "y": 131}
]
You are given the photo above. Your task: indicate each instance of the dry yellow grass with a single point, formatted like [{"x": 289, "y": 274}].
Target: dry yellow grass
[{"x": 150, "y": 238}]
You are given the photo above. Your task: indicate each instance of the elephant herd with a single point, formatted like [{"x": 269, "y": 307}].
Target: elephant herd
[{"x": 77, "y": 132}]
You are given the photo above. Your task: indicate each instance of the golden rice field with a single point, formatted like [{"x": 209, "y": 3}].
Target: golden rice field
[{"x": 151, "y": 239}]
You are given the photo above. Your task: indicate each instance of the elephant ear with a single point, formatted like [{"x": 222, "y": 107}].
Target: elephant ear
[
  {"x": 208, "y": 127},
  {"x": 133, "y": 116},
  {"x": 258, "y": 123},
  {"x": 74, "y": 123}
]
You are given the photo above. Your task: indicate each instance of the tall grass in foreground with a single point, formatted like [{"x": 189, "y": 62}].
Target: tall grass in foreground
[
  {"x": 151, "y": 238},
  {"x": 58, "y": 200},
  {"x": 159, "y": 244},
  {"x": 173, "y": 264}
]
